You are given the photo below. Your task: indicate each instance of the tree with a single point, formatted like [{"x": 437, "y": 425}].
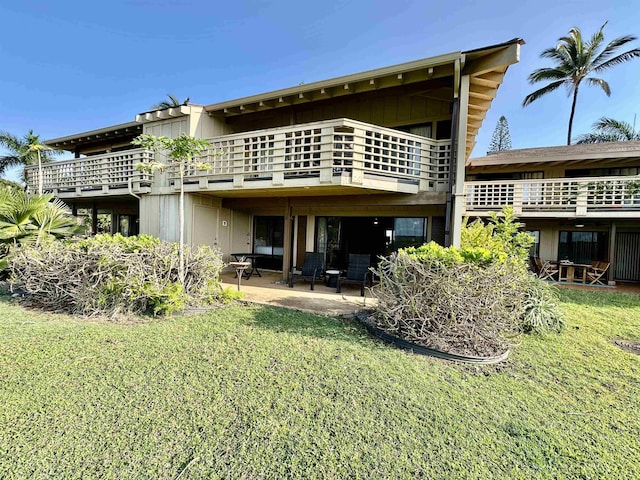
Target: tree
[
  {"x": 610, "y": 130},
  {"x": 25, "y": 151},
  {"x": 501, "y": 139},
  {"x": 182, "y": 152},
  {"x": 575, "y": 60},
  {"x": 173, "y": 102}
]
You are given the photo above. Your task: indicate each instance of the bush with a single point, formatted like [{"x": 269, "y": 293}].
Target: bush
[
  {"x": 463, "y": 307},
  {"x": 542, "y": 313},
  {"x": 473, "y": 300},
  {"x": 111, "y": 275}
]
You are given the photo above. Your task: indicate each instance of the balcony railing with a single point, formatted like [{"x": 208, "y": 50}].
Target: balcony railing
[
  {"x": 568, "y": 197},
  {"x": 339, "y": 152},
  {"x": 109, "y": 174}
]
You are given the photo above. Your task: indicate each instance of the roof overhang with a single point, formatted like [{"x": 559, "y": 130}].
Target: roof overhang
[
  {"x": 106, "y": 134},
  {"x": 486, "y": 68},
  {"x": 371, "y": 80},
  {"x": 549, "y": 155}
]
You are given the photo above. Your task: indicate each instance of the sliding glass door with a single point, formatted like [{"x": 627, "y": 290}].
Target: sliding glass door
[{"x": 268, "y": 241}]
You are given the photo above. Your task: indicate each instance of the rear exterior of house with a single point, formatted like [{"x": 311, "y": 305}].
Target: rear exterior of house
[
  {"x": 581, "y": 202},
  {"x": 365, "y": 163}
]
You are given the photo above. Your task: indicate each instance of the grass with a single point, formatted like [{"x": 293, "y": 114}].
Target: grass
[{"x": 263, "y": 392}]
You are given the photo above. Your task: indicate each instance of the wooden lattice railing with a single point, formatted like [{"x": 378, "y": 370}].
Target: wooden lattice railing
[
  {"x": 111, "y": 171},
  {"x": 325, "y": 150},
  {"x": 573, "y": 196}
]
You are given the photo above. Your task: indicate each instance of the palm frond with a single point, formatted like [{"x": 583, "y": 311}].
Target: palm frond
[
  {"x": 622, "y": 58},
  {"x": 598, "y": 82},
  {"x": 543, "y": 74},
  {"x": 532, "y": 97},
  {"x": 611, "y": 49},
  {"x": 608, "y": 129}
]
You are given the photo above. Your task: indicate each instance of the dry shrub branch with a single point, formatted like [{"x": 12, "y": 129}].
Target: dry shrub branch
[
  {"x": 462, "y": 308},
  {"x": 113, "y": 275}
]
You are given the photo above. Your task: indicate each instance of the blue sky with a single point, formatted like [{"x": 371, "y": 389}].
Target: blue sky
[{"x": 72, "y": 66}]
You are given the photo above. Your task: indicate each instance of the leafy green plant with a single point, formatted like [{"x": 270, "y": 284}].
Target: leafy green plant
[{"x": 541, "y": 308}]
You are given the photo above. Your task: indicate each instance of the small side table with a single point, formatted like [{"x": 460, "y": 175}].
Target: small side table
[
  {"x": 240, "y": 268},
  {"x": 331, "y": 278}
]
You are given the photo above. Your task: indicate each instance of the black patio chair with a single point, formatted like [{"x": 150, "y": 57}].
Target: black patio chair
[
  {"x": 357, "y": 272},
  {"x": 312, "y": 269}
]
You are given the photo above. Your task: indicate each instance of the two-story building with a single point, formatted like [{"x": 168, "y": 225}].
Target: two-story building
[
  {"x": 581, "y": 202},
  {"x": 364, "y": 163}
]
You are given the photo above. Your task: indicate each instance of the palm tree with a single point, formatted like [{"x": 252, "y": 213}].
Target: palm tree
[
  {"x": 26, "y": 218},
  {"x": 610, "y": 130},
  {"x": 173, "y": 102},
  {"x": 24, "y": 151},
  {"x": 575, "y": 59}
]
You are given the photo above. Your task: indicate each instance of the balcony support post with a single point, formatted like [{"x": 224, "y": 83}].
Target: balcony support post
[
  {"x": 581, "y": 202},
  {"x": 357, "y": 164},
  {"x": 517, "y": 198},
  {"x": 458, "y": 158},
  {"x": 326, "y": 155},
  {"x": 277, "y": 159}
]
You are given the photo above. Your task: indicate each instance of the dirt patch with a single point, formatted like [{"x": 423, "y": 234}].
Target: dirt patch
[{"x": 628, "y": 345}]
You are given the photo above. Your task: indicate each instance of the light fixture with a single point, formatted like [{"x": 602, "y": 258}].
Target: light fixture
[
  {"x": 579, "y": 225},
  {"x": 375, "y": 221}
]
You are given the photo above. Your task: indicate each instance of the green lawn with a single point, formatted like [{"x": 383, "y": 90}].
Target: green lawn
[{"x": 254, "y": 392}]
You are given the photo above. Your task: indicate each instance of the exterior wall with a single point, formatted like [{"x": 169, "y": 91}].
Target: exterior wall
[
  {"x": 159, "y": 216},
  {"x": 171, "y": 128},
  {"x": 389, "y": 110},
  {"x": 552, "y": 170}
]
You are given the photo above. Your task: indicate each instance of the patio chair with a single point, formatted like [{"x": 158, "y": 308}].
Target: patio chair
[
  {"x": 596, "y": 271},
  {"x": 312, "y": 269},
  {"x": 357, "y": 272},
  {"x": 535, "y": 264},
  {"x": 546, "y": 269}
]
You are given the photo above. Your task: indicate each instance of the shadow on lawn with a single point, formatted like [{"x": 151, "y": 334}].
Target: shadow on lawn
[{"x": 301, "y": 323}]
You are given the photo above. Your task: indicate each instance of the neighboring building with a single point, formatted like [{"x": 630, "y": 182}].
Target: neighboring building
[
  {"x": 582, "y": 202},
  {"x": 364, "y": 163}
]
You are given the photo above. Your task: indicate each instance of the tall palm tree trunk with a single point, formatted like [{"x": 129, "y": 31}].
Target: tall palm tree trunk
[{"x": 573, "y": 111}]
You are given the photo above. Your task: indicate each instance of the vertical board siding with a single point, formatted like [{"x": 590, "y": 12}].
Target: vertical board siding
[{"x": 627, "y": 256}]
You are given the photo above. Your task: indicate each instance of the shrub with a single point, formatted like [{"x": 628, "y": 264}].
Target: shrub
[
  {"x": 542, "y": 313},
  {"x": 461, "y": 307},
  {"x": 111, "y": 275},
  {"x": 472, "y": 300}
]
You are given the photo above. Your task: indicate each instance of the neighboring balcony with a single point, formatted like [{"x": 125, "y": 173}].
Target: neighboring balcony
[
  {"x": 98, "y": 175},
  {"x": 322, "y": 157},
  {"x": 560, "y": 197}
]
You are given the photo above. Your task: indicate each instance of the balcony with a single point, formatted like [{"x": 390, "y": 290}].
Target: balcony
[
  {"x": 322, "y": 157},
  {"x": 330, "y": 157},
  {"x": 596, "y": 197},
  {"x": 98, "y": 175}
]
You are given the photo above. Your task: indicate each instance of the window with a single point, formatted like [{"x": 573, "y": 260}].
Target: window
[
  {"x": 443, "y": 129},
  {"x": 268, "y": 240},
  {"x": 583, "y": 247},
  {"x": 535, "y": 248},
  {"x": 602, "y": 172},
  {"x": 408, "y": 232}
]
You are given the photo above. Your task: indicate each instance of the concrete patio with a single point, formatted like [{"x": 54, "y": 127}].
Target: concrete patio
[{"x": 271, "y": 289}]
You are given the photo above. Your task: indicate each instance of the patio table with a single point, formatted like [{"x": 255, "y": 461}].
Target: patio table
[
  {"x": 251, "y": 257},
  {"x": 569, "y": 269}
]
